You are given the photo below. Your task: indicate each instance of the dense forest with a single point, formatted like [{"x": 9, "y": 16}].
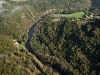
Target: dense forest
[
  {"x": 64, "y": 46},
  {"x": 71, "y": 47}
]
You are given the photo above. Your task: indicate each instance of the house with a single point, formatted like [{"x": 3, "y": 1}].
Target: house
[{"x": 16, "y": 42}]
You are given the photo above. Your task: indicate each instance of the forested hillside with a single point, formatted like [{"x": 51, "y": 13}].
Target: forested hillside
[
  {"x": 62, "y": 45},
  {"x": 17, "y": 17},
  {"x": 19, "y": 62},
  {"x": 69, "y": 46}
]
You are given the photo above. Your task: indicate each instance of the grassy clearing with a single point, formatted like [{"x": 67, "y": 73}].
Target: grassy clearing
[
  {"x": 74, "y": 15},
  {"x": 22, "y": 45}
]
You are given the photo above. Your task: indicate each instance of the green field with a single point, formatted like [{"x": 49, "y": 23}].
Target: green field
[
  {"x": 74, "y": 15},
  {"x": 22, "y": 45}
]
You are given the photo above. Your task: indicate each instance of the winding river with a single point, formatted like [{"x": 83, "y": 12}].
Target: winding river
[
  {"x": 31, "y": 30},
  {"x": 30, "y": 35}
]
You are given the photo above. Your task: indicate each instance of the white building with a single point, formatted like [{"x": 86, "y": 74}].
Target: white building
[{"x": 16, "y": 43}]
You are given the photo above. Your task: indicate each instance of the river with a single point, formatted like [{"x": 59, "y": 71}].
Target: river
[
  {"x": 30, "y": 35},
  {"x": 31, "y": 30}
]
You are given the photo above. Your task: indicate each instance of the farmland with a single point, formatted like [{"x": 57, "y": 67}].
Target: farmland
[{"x": 73, "y": 15}]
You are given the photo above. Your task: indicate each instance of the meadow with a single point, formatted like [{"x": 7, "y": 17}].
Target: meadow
[{"x": 73, "y": 15}]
